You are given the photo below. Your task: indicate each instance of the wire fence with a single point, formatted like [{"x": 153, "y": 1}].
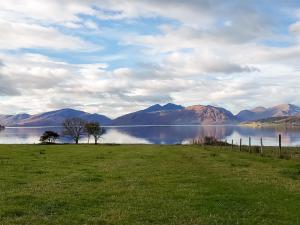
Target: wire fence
[{"x": 265, "y": 146}]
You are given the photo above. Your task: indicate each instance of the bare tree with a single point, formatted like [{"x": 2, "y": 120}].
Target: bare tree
[
  {"x": 94, "y": 129},
  {"x": 74, "y": 128}
]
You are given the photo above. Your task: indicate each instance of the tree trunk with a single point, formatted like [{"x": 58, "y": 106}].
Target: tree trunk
[{"x": 76, "y": 141}]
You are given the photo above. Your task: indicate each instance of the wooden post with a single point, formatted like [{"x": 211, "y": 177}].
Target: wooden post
[
  {"x": 232, "y": 144},
  {"x": 241, "y": 144},
  {"x": 261, "y": 146},
  {"x": 250, "y": 144},
  {"x": 279, "y": 138}
]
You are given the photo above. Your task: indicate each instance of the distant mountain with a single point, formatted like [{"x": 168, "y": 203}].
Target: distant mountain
[
  {"x": 288, "y": 121},
  {"x": 263, "y": 113},
  {"x": 169, "y": 114},
  {"x": 167, "y": 107},
  {"x": 177, "y": 115},
  {"x": 53, "y": 118},
  {"x": 12, "y": 119}
]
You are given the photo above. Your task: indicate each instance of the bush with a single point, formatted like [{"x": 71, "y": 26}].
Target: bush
[
  {"x": 207, "y": 141},
  {"x": 49, "y": 137}
]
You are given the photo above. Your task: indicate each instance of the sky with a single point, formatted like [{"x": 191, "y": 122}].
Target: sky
[{"x": 117, "y": 56}]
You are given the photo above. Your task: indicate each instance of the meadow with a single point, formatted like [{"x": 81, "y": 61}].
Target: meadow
[{"x": 146, "y": 184}]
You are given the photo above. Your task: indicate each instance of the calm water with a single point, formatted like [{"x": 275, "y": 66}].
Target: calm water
[{"x": 165, "y": 134}]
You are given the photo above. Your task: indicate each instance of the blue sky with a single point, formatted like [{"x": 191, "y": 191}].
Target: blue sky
[{"x": 114, "y": 57}]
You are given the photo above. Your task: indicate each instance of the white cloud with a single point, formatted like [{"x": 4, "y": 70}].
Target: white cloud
[
  {"x": 91, "y": 25},
  {"x": 50, "y": 84},
  {"x": 201, "y": 52},
  {"x": 20, "y": 35},
  {"x": 55, "y": 11}
]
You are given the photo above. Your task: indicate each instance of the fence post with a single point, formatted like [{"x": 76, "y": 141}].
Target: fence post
[
  {"x": 232, "y": 144},
  {"x": 250, "y": 144},
  {"x": 240, "y": 144},
  {"x": 279, "y": 139},
  {"x": 261, "y": 146}
]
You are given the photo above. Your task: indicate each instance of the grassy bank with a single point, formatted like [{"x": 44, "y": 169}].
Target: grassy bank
[{"x": 145, "y": 184}]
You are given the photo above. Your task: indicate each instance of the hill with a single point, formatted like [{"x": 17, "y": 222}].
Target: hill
[
  {"x": 53, "y": 118},
  {"x": 193, "y": 115},
  {"x": 264, "y": 113},
  {"x": 287, "y": 121}
]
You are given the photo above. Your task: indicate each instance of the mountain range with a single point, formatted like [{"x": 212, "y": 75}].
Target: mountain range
[
  {"x": 291, "y": 121},
  {"x": 169, "y": 114},
  {"x": 53, "y": 118},
  {"x": 259, "y": 113},
  {"x": 177, "y": 115}
]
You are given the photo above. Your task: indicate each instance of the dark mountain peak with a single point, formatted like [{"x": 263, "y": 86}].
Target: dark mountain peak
[
  {"x": 65, "y": 110},
  {"x": 171, "y": 106},
  {"x": 66, "y": 113},
  {"x": 153, "y": 108},
  {"x": 166, "y": 107}
]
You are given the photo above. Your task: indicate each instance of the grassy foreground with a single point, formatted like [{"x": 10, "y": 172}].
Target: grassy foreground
[{"x": 145, "y": 184}]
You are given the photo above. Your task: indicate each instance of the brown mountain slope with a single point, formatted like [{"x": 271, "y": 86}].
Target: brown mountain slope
[{"x": 193, "y": 115}]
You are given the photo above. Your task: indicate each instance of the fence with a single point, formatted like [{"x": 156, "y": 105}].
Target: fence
[{"x": 248, "y": 146}]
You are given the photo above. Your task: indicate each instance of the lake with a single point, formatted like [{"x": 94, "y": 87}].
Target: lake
[{"x": 164, "y": 135}]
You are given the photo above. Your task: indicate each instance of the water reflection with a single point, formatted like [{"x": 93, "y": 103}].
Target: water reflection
[
  {"x": 176, "y": 134},
  {"x": 164, "y": 134}
]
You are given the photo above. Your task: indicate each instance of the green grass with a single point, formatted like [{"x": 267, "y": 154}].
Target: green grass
[{"x": 145, "y": 184}]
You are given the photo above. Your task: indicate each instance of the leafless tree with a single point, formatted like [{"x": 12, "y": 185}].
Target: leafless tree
[
  {"x": 94, "y": 129},
  {"x": 74, "y": 128}
]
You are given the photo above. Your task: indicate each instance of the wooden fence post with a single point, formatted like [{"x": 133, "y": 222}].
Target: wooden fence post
[
  {"x": 240, "y": 144},
  {"x": 232, "y": 144},
  {"x": 250, "y": 144},
  {"x": 279, "y": 139},
  {"x": 261, "y": 146}
]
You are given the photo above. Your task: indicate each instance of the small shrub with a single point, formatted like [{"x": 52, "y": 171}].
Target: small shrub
[
  {"x": 208, "y": 141},
  {"x": 49, "y": 137}
]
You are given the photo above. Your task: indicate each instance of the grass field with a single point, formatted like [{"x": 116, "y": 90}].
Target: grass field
[{"x": 145, "y": 184}]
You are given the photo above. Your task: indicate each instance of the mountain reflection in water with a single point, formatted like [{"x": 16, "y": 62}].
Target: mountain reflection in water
[{"x": 163, "y": 134}]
